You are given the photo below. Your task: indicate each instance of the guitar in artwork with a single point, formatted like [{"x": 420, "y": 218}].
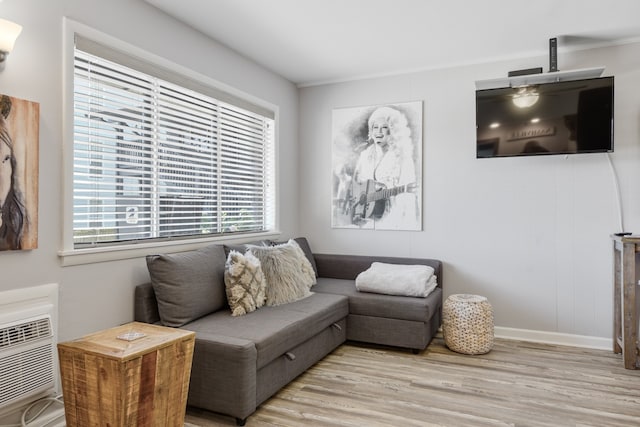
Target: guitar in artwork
[{"x": 370, "y": 199}]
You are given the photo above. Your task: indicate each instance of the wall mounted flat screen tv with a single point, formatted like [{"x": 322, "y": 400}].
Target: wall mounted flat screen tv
[{"x": 567, "y": 117}]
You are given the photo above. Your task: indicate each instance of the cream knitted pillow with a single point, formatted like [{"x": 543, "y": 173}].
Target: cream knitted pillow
[{"x": 244, "y": 283}]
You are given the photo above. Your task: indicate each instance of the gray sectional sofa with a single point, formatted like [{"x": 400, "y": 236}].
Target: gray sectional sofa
[{"x": 239, "y": 362}]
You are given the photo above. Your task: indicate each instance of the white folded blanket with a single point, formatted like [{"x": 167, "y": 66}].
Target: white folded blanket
[{"x": 397, "y": 279}]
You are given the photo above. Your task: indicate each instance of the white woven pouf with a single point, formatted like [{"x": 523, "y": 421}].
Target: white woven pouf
[{"x": 467, "y": 324}]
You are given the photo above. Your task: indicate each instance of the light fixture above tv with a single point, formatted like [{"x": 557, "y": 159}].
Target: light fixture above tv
[
  {"x": 525, "y": 97},
  {"x": 540, "y": 78}
]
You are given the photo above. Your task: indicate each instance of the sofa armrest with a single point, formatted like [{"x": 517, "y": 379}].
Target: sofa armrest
[
  {"x": 145, "y": 305},
  {"x": 349, "y": 266},
  {"x": 223, "y": 375}
]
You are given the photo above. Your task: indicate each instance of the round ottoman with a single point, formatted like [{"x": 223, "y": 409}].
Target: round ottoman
[{"x": 467, "y": 324}]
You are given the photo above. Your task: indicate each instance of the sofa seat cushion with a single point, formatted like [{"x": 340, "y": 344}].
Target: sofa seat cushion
[
  {"x": 379, "y": 305},
  {"x": 276, "y": 330}
]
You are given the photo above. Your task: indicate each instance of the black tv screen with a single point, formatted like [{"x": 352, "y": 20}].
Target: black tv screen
[{"x": 550, "y": 118}]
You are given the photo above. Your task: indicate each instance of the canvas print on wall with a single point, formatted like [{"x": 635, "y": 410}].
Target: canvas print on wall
[
  {"x": 377, "y": 167},
  {"x": 19, "y": 133}
]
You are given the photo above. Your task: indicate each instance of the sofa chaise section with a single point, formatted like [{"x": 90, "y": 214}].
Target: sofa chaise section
[{"x": 376, "y": 318}]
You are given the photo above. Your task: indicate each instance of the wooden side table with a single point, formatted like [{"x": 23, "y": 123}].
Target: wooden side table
[
  {"x": 626, "y": 251},
  {"x": 131, "y": 375}
]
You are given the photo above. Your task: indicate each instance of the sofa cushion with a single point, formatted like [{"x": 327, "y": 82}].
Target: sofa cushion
[
  {"x": 288, "y": 273},
  {"x": 244, "y": 283},
  {"x": 188, "y": 284},
  {"x": 379, "y": 305},
  {"x": 276, "y": 330}
]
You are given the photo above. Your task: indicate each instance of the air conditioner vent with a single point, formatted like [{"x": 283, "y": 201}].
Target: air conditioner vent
[
  {"x": 26, "y": 358},
  {"x": 26, "y": 372},
  {"x": 24, "y": 333}
]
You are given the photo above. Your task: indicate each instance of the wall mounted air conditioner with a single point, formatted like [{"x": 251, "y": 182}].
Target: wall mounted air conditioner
[{"x": 27, "y": 365}]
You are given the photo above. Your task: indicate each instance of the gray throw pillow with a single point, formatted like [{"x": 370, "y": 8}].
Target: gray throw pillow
[
  {"x": 287, "y": 271},
  {"x": 188, "y": 285}
]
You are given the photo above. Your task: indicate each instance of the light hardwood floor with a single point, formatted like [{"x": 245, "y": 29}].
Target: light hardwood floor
[{"x": 516, "y": 384}]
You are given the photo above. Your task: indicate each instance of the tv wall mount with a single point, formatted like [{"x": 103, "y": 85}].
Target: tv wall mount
[
  {"x": 534, "y": 76},
  {"x": 534, "y": 79}
]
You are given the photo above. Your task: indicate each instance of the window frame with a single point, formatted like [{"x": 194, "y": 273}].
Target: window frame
[{"x": 134, "y": 249}]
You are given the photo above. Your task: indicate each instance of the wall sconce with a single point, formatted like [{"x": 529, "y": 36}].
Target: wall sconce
[{"x": 9, "y": 32}]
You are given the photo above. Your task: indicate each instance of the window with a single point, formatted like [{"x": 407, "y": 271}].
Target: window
[{"x": 155, "y": 159}]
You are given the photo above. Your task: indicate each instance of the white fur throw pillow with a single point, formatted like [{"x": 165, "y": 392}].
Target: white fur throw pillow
[
  {"x": 244, "y": 283},
  {"x": 287, "y": 270}
]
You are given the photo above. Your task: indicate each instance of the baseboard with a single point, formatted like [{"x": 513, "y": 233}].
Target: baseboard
[{"x": 556, "y": 338}]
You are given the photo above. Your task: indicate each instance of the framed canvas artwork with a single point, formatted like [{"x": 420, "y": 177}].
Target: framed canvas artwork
[
  {"x": 19, "y": 139},
  {"x": 377, "y": 167}
]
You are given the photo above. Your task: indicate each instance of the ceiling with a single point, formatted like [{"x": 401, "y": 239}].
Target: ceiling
[{"x": 319, "y": 41}]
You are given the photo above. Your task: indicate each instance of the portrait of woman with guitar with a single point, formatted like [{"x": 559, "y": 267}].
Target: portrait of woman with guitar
[{"x": 381, "y": 191}]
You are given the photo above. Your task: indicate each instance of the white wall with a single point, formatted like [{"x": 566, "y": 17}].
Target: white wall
[
  {"x": 532, "y": 234},
  {"x": 97, "y": 296}
]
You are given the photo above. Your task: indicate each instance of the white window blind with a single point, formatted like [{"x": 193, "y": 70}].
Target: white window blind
[{"x": 156, "y": 160}]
